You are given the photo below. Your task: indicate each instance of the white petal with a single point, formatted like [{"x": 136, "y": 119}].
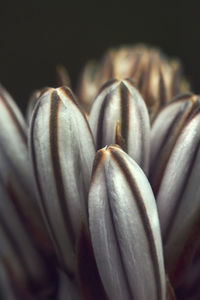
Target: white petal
[
  {"x": 15, "y": 168},
  {"x": 62, "y": 150},
  {"x": 165, "y": 132},
  {"x": 119, "y": 116},
  {"x": 179, "y": 197},
  {"x": 125, "y": 229}
]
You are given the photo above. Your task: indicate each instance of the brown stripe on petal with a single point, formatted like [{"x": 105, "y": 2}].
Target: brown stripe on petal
[
  {"x": 69, "y": 94},
  {"x": 19, "y": 128},
  {"x": 43, "y": 204},
  {"x": 97, "y": 161},
  {"x": 118, "y": 245},
  {"x": 140, "y": 82},
  {"x": 106, "y": 85},
  {"x": 142, "y": 147},
  {"x": 125, "y": 115},
  {"x": 53, "y": 125},
  {"x": 143, "y": 213},
  {"x": 99, "y": 136},
  {"x": 162, "y": 90}
]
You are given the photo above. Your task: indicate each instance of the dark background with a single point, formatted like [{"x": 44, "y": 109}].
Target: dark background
[{"x": 37, "y": 35}]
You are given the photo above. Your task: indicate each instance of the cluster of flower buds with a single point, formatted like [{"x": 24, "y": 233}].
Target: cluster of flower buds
[
  {"x": 100, "y": 194},
  {"x": 158, "y": 79}
]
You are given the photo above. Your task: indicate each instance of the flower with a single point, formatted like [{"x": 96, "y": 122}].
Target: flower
[{"x": 100, "y": 196}]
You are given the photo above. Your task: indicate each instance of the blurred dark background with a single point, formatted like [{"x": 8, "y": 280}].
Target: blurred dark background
[{"x": 37, "y": 35}]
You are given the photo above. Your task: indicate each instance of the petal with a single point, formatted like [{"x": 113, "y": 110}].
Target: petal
[
  {"x": 179, "y": 200},
  {"x": 62, "y": 150},
  {"x": 165, "y": 132},
  {"x": 27, "y": 265},
  {"x": 125, "y": 229},
  {"x": 119, "y": 116},
  {"x": 15, "y": 169}
]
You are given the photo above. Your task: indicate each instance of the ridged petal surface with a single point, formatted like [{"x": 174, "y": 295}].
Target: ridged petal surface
[
  {"x": 178, "y": 200},
  {"x": 125, "y": 229},
  {"x": 119, "y": 116},
  {"x": 62, "y": 150}
]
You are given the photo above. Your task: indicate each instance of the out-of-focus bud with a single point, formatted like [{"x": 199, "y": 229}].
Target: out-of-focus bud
[
  {"x": 63, "y": 76},
  {"x": 21, "y": 258},
  {"x": 158, "y": 78},
  {"x": 119, "y": 116},
  {"x": 62, "y": 151},
  {"x": 125, "y": 229},
  {"x": 165, "y": 131},
  {"x": 178, "y": 201},
  {"x": 88, "y": 85}
]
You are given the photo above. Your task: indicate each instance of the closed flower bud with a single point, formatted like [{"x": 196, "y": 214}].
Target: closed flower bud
[
  {"x": 165, "y": 132},
  {"x": 119, "y": 116},
  {"x": 125, "y": 229},
  {"x": 62, "y": 151},
  {"x": 157, "y": 78},
  {"x": 178, "y": 201}
]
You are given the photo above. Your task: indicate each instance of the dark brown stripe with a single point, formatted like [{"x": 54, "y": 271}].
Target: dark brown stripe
[
  {"x": 53, "y": 125},
  {"x": 142, "y": 137},
  {"x": 99, "y": 137},
  {"x": 162, "y": 90},
  {"x": 20, "y": 129},
  {"x": 131, "y": 296},
  {"x": 36, "y": 173},
  {"x": 106, "y": 85},
  {"x": 140, "y": 83},
  {"x": 145, "y": 220},
  {"x": 125, "y": 115},
  {"x": 69, "y": 94},
  {"x": 97, "y": 161}
]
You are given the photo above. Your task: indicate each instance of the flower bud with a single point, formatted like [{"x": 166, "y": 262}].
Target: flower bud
[
  {"x": 125, "y": 229},
  {"x": 165, "y": 131},
  {"x": 62, "y": 151},
  {"x": 178, "y": 200},
  {"x": 119, "y": 116}
]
